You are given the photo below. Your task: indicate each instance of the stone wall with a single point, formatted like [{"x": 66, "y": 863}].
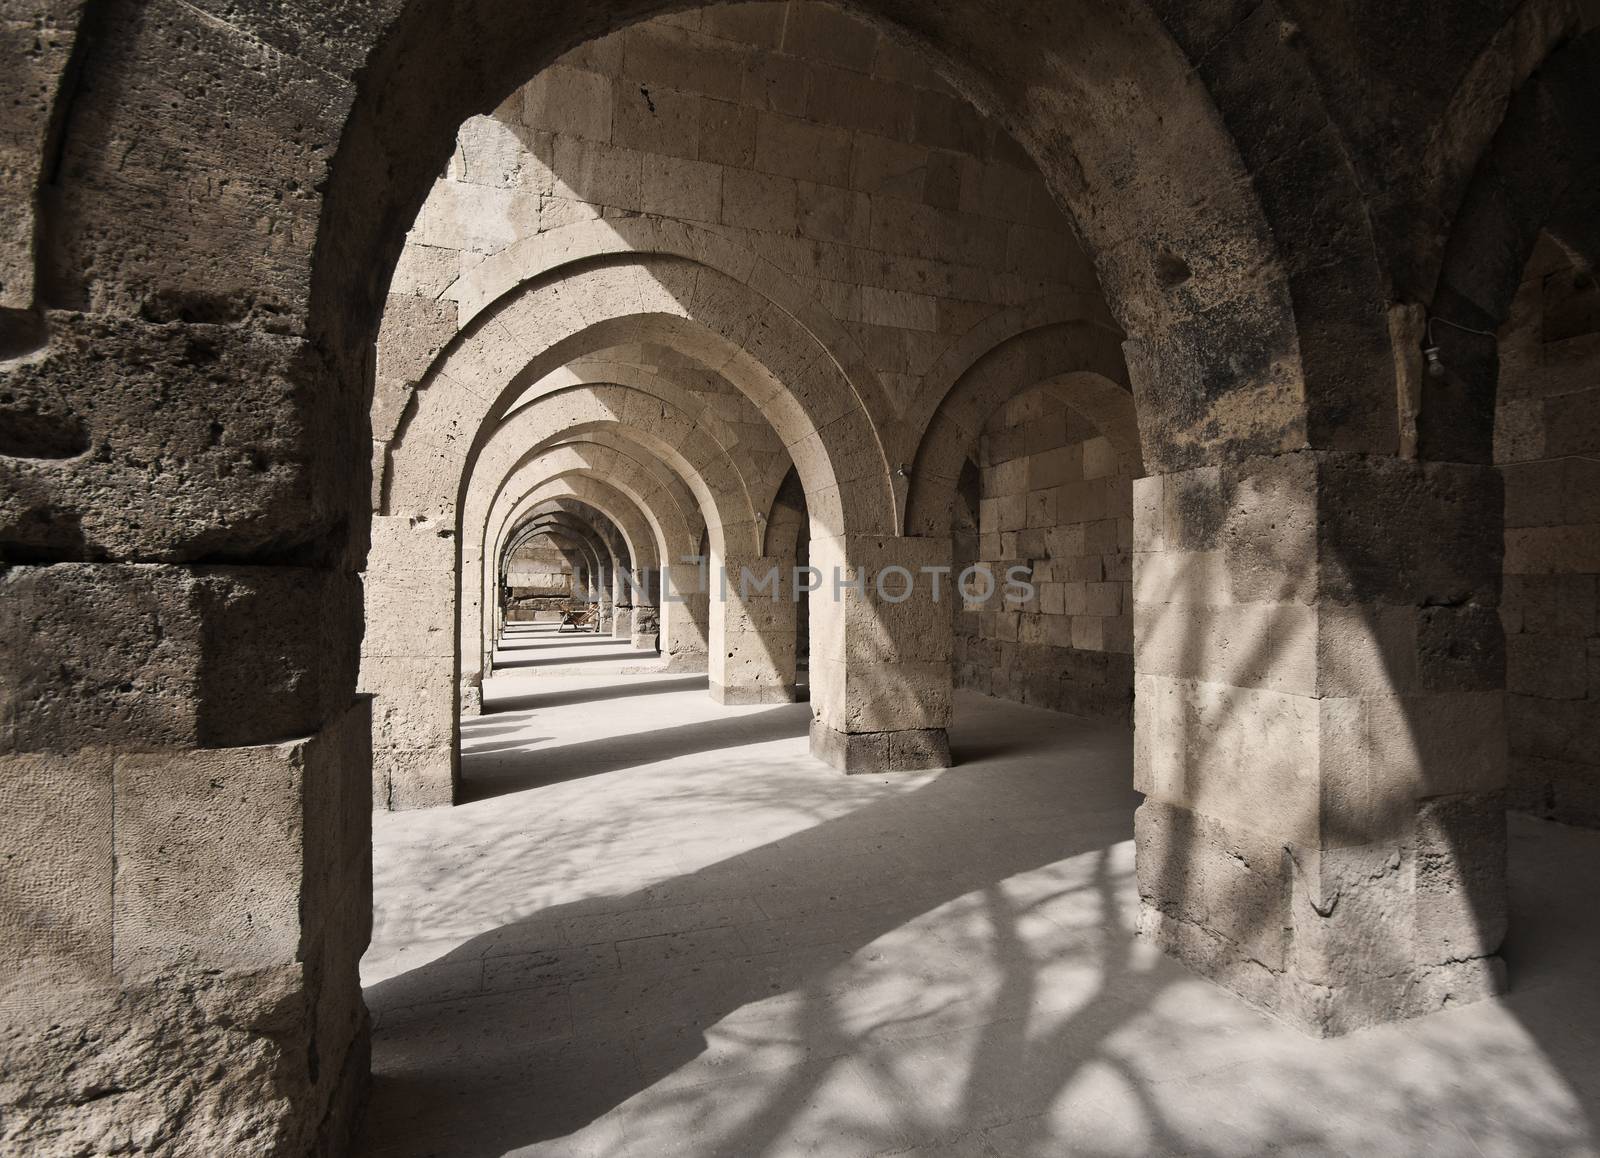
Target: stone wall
[
  {"x": 1547, "y": 440},
  {"x": 541, "y": 570},
  {"x": 1056, "y": 496},
  {"x": 830, "y": 151}
]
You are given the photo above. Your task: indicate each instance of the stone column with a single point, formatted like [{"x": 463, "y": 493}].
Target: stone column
[
  {"x": 622, "y": 604},
  {"x": 602, "y": 591},
  {"x": 681, "y": 606},
  {"x": 184, "y": 825},
  {"x": 473, "y": 628},
  {"x": 408, "y": 664},
  {"x": 881, "y": 668},
  {"x": 1320, "y": 734},
  {"x": 751, "y": 653}
]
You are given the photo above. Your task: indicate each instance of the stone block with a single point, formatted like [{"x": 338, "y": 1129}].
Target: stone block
[
  {"x": 858, "y": 753},
  {"x": 406, "y": 778},
  {"x": 792, "y": 147},
  {"x": 853, "y": 100},
  {"x": 1460, "y": 877},
  {"x": 775, "y": 82},
  {"x": 1553, "y": 550},
  {"x": 758, "y": 24},
  {"x": 1548, "y": 667},
  {"x": 597, "y": 173},
  {"x": 55, "y": 891},
  {"x": 111, "y": 654},
  {"x": 949, "y": 122},
  {"x": 656, "y": 53},
  {"x": 214, "y": 847},
  {"x": 821, "y": 32},
  {"x": 238, "y": 441},
  {"x": 727, "y": 133},
  {"x": 1228, "y": 886},
  {"x": 759, "y": 201},
  {"x": 684, "y": 189},
  {"x": 659, "y": 121}
]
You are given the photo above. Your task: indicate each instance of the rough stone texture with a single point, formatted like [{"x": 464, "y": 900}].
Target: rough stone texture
[
  {"x": 231, "y": 434},
  {"x": 148, "y": 655},
  {"x": 212, "y": 199},
  {"x": 1056, "y": 497},
  {"x": 890, "y": 713},
  {"x": 823, "y": 171},
  {"x": 36, "y": 42},
  {"x": 1320, "y": 732},
  {"x": 1547, "y": 442},
  {"x": 205, "y": 914}
]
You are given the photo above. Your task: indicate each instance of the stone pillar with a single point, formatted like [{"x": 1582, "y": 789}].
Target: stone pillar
[
  {"x": 602, "y": 591},
  {"x": 622, "y": 604},
  {"x": 408, "y": 664},
  {"x": 751, "y": 652},
  {"x": 184, "y": 825},
  {"x": 880, "y": 668},
  {"x": 682, "y": 625},
  {"x": 1320, "y": 734},
  {"x": 475, "y": 633}
]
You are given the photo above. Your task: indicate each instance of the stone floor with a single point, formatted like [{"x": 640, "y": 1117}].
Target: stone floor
[{"x": 660, "y": 928}]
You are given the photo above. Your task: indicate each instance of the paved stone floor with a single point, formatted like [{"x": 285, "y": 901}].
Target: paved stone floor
[{"x": 660, "y": 928}]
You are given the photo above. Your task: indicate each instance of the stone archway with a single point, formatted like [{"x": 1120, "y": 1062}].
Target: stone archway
[{"x": 1252, "y": 305}]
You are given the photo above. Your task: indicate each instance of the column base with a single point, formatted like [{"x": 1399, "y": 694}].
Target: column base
[
  {"x": 644, "y": 640},
  {"x": 215, "y": 1007},
  {"x": 692, "y": 661},
  {"x": 1334, "y": 940},
  {"x": 407, "y": 778},
  {"x": 857, "y": 753},
  {"x": 752, "y": 694}
]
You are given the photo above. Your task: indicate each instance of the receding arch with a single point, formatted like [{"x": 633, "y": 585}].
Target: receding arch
[
  {"x": 791, "y": 379},
  {"x": 1078, "y": 363},
  {"x": 1541, "y": 171}
]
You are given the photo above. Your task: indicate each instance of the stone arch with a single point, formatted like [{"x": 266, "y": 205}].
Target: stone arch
[
  {"x": 1540, "y": 171},
  {"x": 671, "y": 525},
  {"x": 681, "y": 484},
  {"x": 786, "y": 518},
  {"x": 534, "y": 257},
  {"x": 1512, "y": 405},
  {"x": 655, "y": 530},
  {"x": 753, "y": 447},
  {"x": 1050, "y": 85},
  {"x": 589, "y": 556},
  {"x": 654, "y": 423},
  {"x": 602, "y": 525},
  {"x": 550, "y": 522},
  {"x": 754, "y": 344},
  {"x": 294, "y": 254},
  {"x": 1076, "y": 362},
  {"x": 558, "y": 523}
]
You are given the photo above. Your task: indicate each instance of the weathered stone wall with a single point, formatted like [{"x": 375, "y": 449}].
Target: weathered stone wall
[
  {"x": 542, "y": 570},
  {"x": 1055, "y": 496},
  {"x": 1547, "y": 440},
  {"x": 828, "y": 150}
]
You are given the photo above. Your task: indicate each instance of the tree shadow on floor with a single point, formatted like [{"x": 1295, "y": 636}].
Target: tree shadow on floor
[{"x": 948, "y": 968}]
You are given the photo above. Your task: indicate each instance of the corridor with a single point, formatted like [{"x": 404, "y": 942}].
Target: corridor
[{"x": 658, "y": 927}]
